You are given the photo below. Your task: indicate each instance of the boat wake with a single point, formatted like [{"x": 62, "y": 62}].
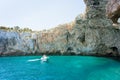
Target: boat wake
[{"x": 32, "y": 60}]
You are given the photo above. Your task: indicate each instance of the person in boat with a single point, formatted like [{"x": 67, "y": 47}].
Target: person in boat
[{"x": 44, "y": 58}]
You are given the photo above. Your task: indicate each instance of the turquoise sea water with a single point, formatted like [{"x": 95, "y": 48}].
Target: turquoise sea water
[{"x": 59, "y": 68}]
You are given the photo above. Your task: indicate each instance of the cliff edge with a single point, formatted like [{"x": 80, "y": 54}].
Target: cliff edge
[{"x": 91, "y": 33}]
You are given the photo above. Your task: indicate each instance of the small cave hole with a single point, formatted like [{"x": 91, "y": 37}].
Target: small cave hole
[
  {"x": 113, "y": 51},
  {"x": 96, "y": 3},
  {"x": 69, "y": 49}
]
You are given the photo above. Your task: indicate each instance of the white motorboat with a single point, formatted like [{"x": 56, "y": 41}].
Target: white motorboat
[{"x": 44, "y": 58}]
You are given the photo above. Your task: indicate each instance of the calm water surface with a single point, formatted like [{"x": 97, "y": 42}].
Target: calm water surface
[{"x": 59, "y": 68}]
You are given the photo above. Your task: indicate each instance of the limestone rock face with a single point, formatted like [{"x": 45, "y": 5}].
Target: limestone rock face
[
  {"x": 91, "y": 33},
  {"x": 14, "y": 43},
  {"x": 95, "y": 8},
  {"x": 30, "y": 43},
  {"x": 113, "y": 10},
  {"x": 55, "y": 40}
]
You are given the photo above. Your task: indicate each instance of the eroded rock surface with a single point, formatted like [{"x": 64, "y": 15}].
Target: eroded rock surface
[
  {"x": 91, "y": 33},
  {"x": 14, "y": 43},
  {"x": 113, "y": 10}
]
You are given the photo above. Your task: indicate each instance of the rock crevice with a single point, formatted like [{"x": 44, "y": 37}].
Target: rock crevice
[{"x": 91, "y": 33}]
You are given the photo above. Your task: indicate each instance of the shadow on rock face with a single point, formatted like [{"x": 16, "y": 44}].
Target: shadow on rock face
[{"x": 112, "y": 51}]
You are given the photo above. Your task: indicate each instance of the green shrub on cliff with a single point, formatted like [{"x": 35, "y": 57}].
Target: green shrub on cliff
[{"x": 15, "y": 28}]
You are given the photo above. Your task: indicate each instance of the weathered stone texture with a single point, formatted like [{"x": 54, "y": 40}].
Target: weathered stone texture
[{"x": 91, "y": 33}]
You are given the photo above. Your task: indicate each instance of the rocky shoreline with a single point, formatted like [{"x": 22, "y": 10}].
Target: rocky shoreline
[{"x": 92, "y": 33}]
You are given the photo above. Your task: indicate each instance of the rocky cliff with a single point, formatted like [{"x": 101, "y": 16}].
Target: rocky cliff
[
  {"x": 113, "y": 10},
  {"x": 17, "y": 42},
  {"x": 91, "y": 33}
]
